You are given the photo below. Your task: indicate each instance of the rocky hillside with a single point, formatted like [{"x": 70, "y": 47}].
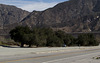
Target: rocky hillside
[
  {"x": 70, "y": 16},
  {"x": 10, "y": 14}
]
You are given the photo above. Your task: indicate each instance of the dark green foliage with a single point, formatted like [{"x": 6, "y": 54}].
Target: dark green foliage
[
  {"x": 60, "y": 34},
  {"x": 69, "y": 40},
  {"x": 28, "y": 39},
  {"x": 87, "y": 40},
  {"x": 19, "y": 34},
  {"x": 54, "y": 41},
  {"x": 42, "y": 37}
]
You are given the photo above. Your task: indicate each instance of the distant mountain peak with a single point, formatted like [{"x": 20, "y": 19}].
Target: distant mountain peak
[
  {"x": 70, "y": 16},
  {"x": 10, "y": 15}
]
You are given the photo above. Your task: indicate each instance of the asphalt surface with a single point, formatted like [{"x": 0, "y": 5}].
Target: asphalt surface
[{"x": 55, "y": 57}]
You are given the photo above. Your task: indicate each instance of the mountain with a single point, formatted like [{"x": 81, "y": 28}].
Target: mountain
[
  {"x": 10, "y": 15},
  {"x": 70, "y": 16}
]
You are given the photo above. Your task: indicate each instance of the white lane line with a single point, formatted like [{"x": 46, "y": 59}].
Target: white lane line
[{"x": 75, "y": 58}]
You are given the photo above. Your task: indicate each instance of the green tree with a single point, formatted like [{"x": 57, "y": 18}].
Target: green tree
[
  {"x": 60, "y": 34},
  {"x": 69, "y": 40},
  {"x": 39, "y": 37},
  {"x": 87, "y": 40},
  {"x": 92, "y": 40},
  {"x": 48, "y": 37},
  {"x": 54, "y": 41},
  {"x": 18, "y": 33},
  {"x": 28, "y": 39}
]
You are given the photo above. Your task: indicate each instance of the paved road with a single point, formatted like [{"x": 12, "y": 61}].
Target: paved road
[{"x": 59, "y": 57}]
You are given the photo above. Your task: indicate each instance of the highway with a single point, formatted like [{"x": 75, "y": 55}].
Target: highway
[{"x": 58, "y": 57}]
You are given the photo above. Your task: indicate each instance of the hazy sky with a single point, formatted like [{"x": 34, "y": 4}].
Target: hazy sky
[{"x": 31, "y": 5}]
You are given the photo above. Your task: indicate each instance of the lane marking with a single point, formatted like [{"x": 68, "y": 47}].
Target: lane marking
[
  {"x": 53, "y": 61},
  {"x": 49, "y": 56}
]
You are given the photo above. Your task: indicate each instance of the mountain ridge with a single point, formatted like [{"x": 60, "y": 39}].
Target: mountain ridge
[
  {"x": 10, "y": 14},
  {"x": 71, "y": 16}
]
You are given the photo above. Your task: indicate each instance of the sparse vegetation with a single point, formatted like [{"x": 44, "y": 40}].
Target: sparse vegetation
[
  {"x": 8, "y": 43},
  {"x": 97, "y": 58}
]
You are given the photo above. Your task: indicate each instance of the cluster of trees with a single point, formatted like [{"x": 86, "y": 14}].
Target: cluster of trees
[
  {"x": 42, "y": 37},
  {"x": 87, "y": 40}
]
